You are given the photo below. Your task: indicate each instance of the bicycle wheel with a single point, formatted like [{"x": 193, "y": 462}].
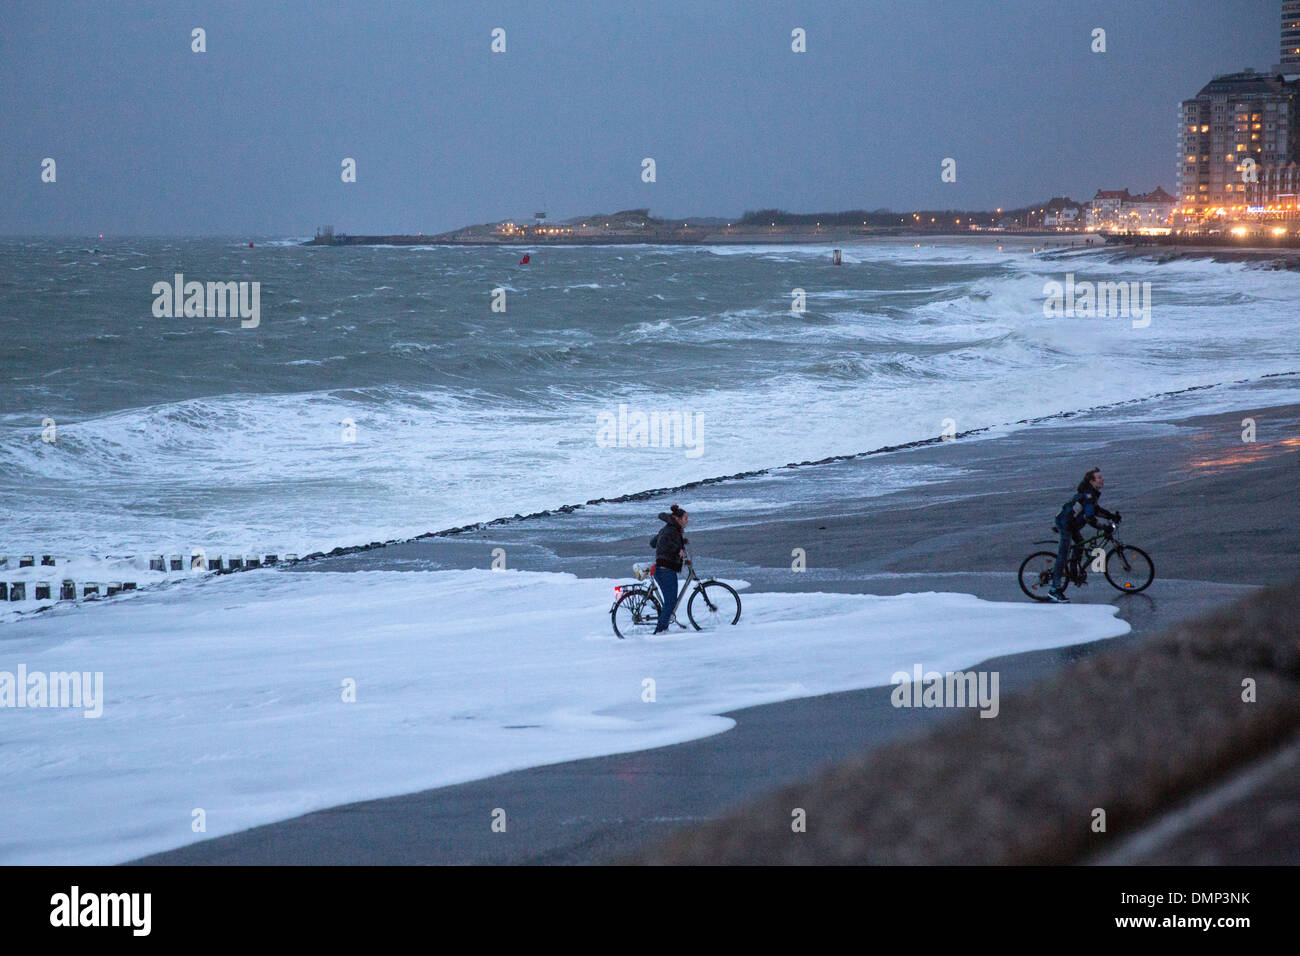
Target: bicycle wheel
[
  {"x": 1129, "y": 569},
  {"x": 635, "y": 609},
  {"x": 719, "y": 604},
  {"x": 1036, "y": 575}
]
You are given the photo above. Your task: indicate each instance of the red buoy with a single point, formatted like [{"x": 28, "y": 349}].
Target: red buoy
[
  {"x": 524, "y": 260},
  {"x": 250, "y": 245}
]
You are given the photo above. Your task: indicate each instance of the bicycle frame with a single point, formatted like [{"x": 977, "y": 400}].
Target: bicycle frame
[
  {"x": 652, "y": 587},
  {"x": 686, "y": 583},
  {"x": 1104, "y": 535},
  {"x": 1089, "y": 545},
  {"x": 1080, "y": 548}
]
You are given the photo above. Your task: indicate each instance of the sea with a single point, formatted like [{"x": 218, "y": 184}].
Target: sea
[
  {"x": 386, "y": 392},
  {"x": 383, "y": 393}
]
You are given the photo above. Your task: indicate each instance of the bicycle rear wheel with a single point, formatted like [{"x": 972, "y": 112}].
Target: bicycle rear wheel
[
  {"x": 1036, "y": 575},
  {"x": 712, "y": 605},
  {"x": 635, "y": 611},
  {"x": 1129, "y": 569}
]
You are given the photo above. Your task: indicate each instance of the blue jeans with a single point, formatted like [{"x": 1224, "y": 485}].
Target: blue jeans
[
  {"x": 1068, "y": 538},
  {"x": 666, "y": 578}
]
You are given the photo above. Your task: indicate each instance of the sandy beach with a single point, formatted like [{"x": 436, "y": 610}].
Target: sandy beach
[{"x": 950, "y": 516}]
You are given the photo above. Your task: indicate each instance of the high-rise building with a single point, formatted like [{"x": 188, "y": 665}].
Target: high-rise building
[
  {"x": 1290, "y": 63},
  {"x": 1237, "y": 122}
]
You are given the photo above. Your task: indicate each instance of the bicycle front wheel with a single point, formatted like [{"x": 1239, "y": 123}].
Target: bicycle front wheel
[
  {"x": 1129, "y": 569},
  {"x": 712, "y": 605},
  {"x": 634, "y": 610}
]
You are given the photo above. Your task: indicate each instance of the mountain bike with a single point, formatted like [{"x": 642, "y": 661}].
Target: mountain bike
[
  {"x": 1127, "y": 568},
  {"x": 711, "y": 605}
]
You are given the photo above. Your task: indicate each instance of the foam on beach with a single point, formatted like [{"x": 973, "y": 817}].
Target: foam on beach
[{"x": 227, "y": 696}]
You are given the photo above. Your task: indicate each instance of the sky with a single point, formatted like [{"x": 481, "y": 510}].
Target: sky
[{"x": 248, "y": 138}]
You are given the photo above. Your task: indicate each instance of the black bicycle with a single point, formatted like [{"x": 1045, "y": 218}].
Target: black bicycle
[
  {"x": 712, "y": 603},
  {"x": 1127, "y": 568}
]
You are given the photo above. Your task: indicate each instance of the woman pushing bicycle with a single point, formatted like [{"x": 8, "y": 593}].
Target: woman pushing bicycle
[
  {"x": 670, "y": 549},
  {"x": 711, "y": 603}
]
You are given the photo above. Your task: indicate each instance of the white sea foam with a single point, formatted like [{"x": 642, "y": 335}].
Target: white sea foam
[{"x": 228, "y": 696}]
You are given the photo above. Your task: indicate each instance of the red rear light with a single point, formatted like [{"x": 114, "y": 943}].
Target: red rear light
[{"x": 618, "y": 589}]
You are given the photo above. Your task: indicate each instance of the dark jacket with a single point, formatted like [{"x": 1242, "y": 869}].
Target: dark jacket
[
  {"x": 1083, "y": 508},
  {"x": 668, "y": 542}
]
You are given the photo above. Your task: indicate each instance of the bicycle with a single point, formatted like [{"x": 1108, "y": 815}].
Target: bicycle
[
  {"x": 1128, "y": 568},
  {"x": 638, "y": 605}
]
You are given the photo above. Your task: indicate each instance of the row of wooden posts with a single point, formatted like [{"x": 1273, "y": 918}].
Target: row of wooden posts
[
  {"x": 201, "y": 562},
  {"x": 17, "y": 590},
  {"x": 90, "y": 590}
]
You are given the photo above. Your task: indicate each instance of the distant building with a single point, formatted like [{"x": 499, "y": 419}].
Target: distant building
[
  {"x": 1276, "y": 194},
  {"x": 1104, "y": 209},
  {"x": 1150, "y": 209},
  {"x": 1290, "y": 63},
  {"x": 1066, "y": 218},
  {"x": 1236, "y": 125},
  {"x": 1120, "y": 210}
]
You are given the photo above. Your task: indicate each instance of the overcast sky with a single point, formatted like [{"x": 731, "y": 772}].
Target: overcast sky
[{"x": 247, "y": 138}]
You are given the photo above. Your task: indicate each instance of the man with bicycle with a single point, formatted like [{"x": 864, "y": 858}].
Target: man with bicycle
[{"x": 1083, "y": 508}]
